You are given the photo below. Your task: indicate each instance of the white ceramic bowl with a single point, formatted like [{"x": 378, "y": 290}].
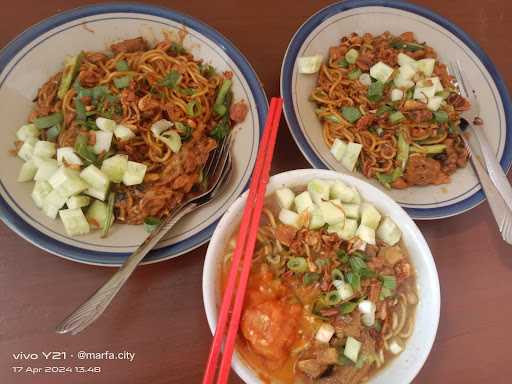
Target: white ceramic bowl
[{"x": 406, "y": 366}]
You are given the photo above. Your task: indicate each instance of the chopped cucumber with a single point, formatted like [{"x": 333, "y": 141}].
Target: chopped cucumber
[
  {"x": 319, "y": 190},
  {"x": 97, "y": 193},
  {"x": 97, "y": 214},
  {"x": 73, "y": 187},
  {"x": 78, "y": 202},
  {"x": 27, "y": 149},
  {"x": 345, "y": 290},
  {"x": 134, "y": 173},
  {"x": 349, "y": 230},
  {"x": 336, "y": 228},
  {"x": 397, "y": 94},
  {"x": 53, "y": 202},
  {"x": 309, "y": 64},
  {"x": 351, "y": 155},
  {"x": 115, "y": 167},
  {"x": 404, "y": 59},
  {"x": 123, "y": 133},
  {"x": 366, "y": 234},
  {"x": 27, "y": 131},
  {"x": 381, "y": 71},
  {"x": 340, "y": 191},
  {"x": 103, "y": 142},
  {"x": 63, "y": 175},
  {"x": 365, "y": 79},
  {"x": 434, "y": 103},
  {"x": 285, "y": 197},
  {"x": 45, "y": 149},
  {"x": 46, "y": 169},
  {"x": 352, "y": 348},
  {"x": 426, "y": 66},
  {"x": 356, "y": 197},
  {"x": 338, "y": 149},
  {"x": 106, "y": 125},
  {"x": 303, "y": 202},
  {"x": 95, "y": 178},
  {"x": 172, "y": 139},
  {"x": 68, "y": 155},
  {"x": 160, "y": 126},
  {"x": 325, "y": 333},
  {"x": 352, "y": 211},
  {"x": 316, "y": 219},
  {"x": 370, "y": 216},
  {"x": 331, "y": 213},
  {"x": 289, "y": 218},
  {"x": 27, "y": 172},
  {"x": 389, "y": 232},
  {"x": 351, "y": 56},
  {"x": 427, "y": 88},
  {"x": 40, "y": 191},
  {"x": 74, "y": 222}
]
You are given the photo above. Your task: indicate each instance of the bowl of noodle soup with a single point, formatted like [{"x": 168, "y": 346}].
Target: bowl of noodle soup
[
  {"x": 401, "y": 368},
  {"x": 170, "y": 41}
]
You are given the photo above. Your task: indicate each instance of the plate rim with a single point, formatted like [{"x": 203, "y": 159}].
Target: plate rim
[
  {"x": 317, "y": 18},
  {"x": 112, "y": 259}
]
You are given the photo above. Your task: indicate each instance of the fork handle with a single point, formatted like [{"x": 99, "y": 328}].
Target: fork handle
[{"x": 93, "y": 307}]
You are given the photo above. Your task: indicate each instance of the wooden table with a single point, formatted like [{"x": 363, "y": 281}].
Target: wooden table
[{"x": 159, "y": 314}]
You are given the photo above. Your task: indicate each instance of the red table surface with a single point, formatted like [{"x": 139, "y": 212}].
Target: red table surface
[{"x": 159, "y": 313}]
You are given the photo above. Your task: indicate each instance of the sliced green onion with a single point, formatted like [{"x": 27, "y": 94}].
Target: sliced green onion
[
  {"x": 122, "y": 66},
  {"x": 310, "y": 277},
  {"x": 48, "y": 121},
  {"x": 274, "y": 259},
  {"x": 343, "y": 63},
  {"x": 443, "y": 94},
  {"x": 85, "y": 151},
  {"x": 81, "y": 113},
  {"x": 322, "y": 262},
  {"x": 375, "y": 91},
  {"x": 388, "y": 281},
  {"x": 342, "y": 255},
  {"x": 354, "y": 279},
  {"x": 400, "y": 44},
  {"x": 171, "y": 80},
  {"x": 150, "y": 223},
  {"x": 351, "y": 114},
  {"x": 297, "y": 264},
  {"x": 383, "y": 109},
  {"x": 378, "y": 325},
  {"x": 221, "y": 97},
  {"x": 185, "y": 91},
  {"x": 347, "y": 307},
  {"x": 332, "y": 298},
  {"x": 122, "y": 82},
  {"x": 177, "y": 48},
  {"x": 387, "y": 179},
  {"x": 357, "y": 263},
  {"x": 109, "y": 219},
  {"x": 403, "y": 150},
  {"x": 333, "y": 118},
  {"x": 53, "y": 132},
  {"x": 428, "y": 149},
  {"x": 206, "y": 70},
  {"x": 221, "y": 130},
  {"x": 336, "y": 274},
  {"x": 354, "y": 74},
  {"x": 396, "y": 117},
  {"x": 184, "y": 130},
  {"x": 193, "y": 108},
  {"x": 441, "y": 116},
  {"x": 409, "y": 94}
]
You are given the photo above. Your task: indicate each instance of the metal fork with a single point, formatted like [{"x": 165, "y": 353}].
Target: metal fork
[
  {"x": 492, "y": 178},
  {"x": 216, "y": 171}
]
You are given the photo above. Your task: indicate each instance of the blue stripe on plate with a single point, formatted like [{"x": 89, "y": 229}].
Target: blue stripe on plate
[
  {"x": 18, "y": 225},
  {"x": 307, "y": 28}
]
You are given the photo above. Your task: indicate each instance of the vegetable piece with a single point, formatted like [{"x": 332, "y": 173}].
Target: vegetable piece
[
  {"x": 396, "y": 117},
  {"x": 53, "y": 201},
  {"x": 310, "y": 278},
  {"x": 365, "y": 79},
  {"x": 62, "y": 176},
  {"x": 375, "y": 91},
  {"x": 407, "y": 46},
  {"x": 345, "y": 290},
  {"x": 219, "y": 106},
  {"x": 123, "y": 133},
  {"x": 193, "y": 108},
  {"x": 370, "y": 216},
  {"x": 404, "y": 59},
  {"x": 356, "y": 197},
  {"x": 336, "y": 274},
  {"x": 388, "y": 231},
  {"x": 441, "y": 116},
  {"x": 206, "y": 70},
  {"x": 303, "y": 202},
  {"x": 74, "y": 222},
  {"x": 48, "y": 121},
  {"x": 150, "y": 223},
  {"x": 309, "y": 64},
  {"x": 342, "y": 63},
  {"x": 297, "y": 264},
  {"x": 367, "y": 309},
  {"x": 109, "y": 219},
  {"x": 94, "y": 177},
  {"x": 403, "y": 150},
  {"x": 354, "y": 74},
  {"x": 351, "y": 155},
  {"x": 45, "y": 169},
  {"x": 324, "y": 333},
  {"x": 122, "y": 82},
  {"x": 71, "y": 67},
  {"x": 386, "y": 179},
  {"x": 347, "y": 307},
  {"x": 434, "y": 103},
  {"x": 73, "y": 187},
  {"x": 336, "y": 228},
  {"x": 394, "y": 347},
  {"x": 45, "y": 149},
  {"x": 27, "y": 131},
  {"x": 160, "y": 126},
  {"x": 351, "y": 114},
  {"x": 316, "y": 219},
  {"x": 172, "y": 139},
  {"x": 331, "y": 213},
  {"x": 366, "y": 234},
  {"x": 27, "y": 149},
  {"x": 351, "y": 56},
  {"x": 81, "y": 113},
  {"x": 352, "y": 211},
  {"x": 428, "y": 149},
  {"x": 106, "y": 125},
  {"x": 27, "y": 172},
  {"x": 97, "y": 214},
  {"x": 338, "y": 149},
  {"x": 352, "y": 348},
  {"x": 426, "y": 66},
  {"x": 115, "y": 167},
  {"x": 67, "y": 155},
  {"x": 319, "y": 190},
  {"x": 85, "y": 151},
  {"x": 134, "y": 173},
  {"x": 171, "y": 80},
  {"x": 78, "y": 202},
  {"x": 427, "y": 88},
  {"x": 349, "y": 229},
  {"x": 332, "y": 298},
  {"x": 40, "y": 191},
  {"x": 341, "y": 191},
  {"x": 381, "y": 71},
  {"x": 285, "y": 197},
  {"x": 184, "y": 130},
  {"x": 122, "y": 66},
  {"x": 397, "y": 94},
  {"x": 221, "y": 130},
  {"x": 103, "y": 142},
  {"x": 289, "y": 218},
  {"x": 97, "y": 193}
]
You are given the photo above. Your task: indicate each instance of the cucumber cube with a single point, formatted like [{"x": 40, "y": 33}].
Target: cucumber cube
[
  {"x": 27, "y": 149},
  {"x": 46, "y": 169},
  {"x": 123, "y": 133},
  {"x": 316, "y": 219},
  {"x": 115, "y": 167},
  {"x": 319, "y": 190},
  {"x": 331, "y": 213},
  {"x": 289, "y": 218},
  {"x": 370, "y": 216},
  {"x": 285, "y": 197},
  {"x": 404, "y": 59},
  {"x": 106, "y": 125},
  {"x": 68, "y": 155},
  {"x": 73, "y": 187},
  {"x": 303, "y": 202},
  {"x": 356, "y": 197},
  {"x": 27, "y": 172},
  {"x": 381, "y": 71},
  {"x": 95, "y": 178},
  {"x": 389, "y": 232},
  {"x": 40, "y": 191},
  {"x": 45, "y": 149},
  {"x": 97, "y": 214},
  {"x": 134, "y": 173},
  {"x": 78, "y": 202},
  {"x": 338, "y": 149},
  {"x": 27, "y": 131},
  {"x": 366, "y": 234},
  {"x": 336, "y": 228},
  {"x": 74, "y": 222},
  {"x": 351, "y": 155},
  {"x": 349, "y": 229},
  {"x": 103, "y": 142},
  {"x": 426, "y": 66},
  {"x": 352, "y": 348},
  {"x": 53, "y": 202},
  {"x": 63, "y": 175},
  {"x": 341, "y": 191},
  {"x": 309, "y": 64},
  {"x": 100, "y": 194},
  {"x": 352, "y": 210}
]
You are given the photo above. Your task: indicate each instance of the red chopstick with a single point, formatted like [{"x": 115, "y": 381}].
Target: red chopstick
[{"x": 244, "y": 249}]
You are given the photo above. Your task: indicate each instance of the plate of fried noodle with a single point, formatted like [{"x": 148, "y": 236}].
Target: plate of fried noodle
[{"x": 111, "y": 112}]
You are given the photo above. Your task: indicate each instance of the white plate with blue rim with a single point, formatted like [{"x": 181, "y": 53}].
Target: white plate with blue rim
[
  {"x": 36, "y": 54},
  {"x": 325, "y": 28}
]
